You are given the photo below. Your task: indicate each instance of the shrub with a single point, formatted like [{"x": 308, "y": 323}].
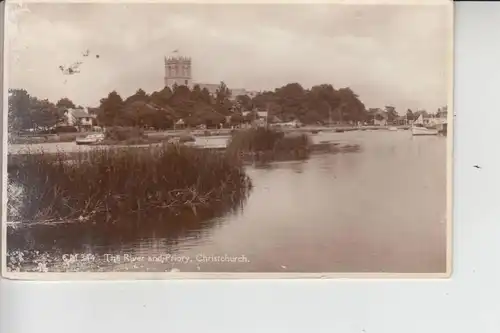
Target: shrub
[{"x": 271, "y": 143}]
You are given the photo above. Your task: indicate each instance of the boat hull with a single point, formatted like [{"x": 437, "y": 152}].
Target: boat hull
[
  {"x": 86, "y": 142},
  {"x": 90, "y": 139},
  {"x": 424, "y": 131}
]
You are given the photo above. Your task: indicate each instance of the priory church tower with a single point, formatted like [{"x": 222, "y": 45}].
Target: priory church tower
[{"x": 178, "y": 71}]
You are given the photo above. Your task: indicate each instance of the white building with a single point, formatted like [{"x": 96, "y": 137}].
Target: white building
[{"x": 79, "y": 117}]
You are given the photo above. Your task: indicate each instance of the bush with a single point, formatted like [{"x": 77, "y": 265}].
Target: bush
[
  {"x": 103, "y": 184},
  {"x": 260, "y": 139},
  {"x": 293, "y": 141},
  {"x": 66, "y": 129}
]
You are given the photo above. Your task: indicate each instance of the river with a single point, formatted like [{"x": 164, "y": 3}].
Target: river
[{"x": 381, "y": 209}]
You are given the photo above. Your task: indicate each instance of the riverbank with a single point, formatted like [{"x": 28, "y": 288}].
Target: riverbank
[
  {"x": 163, "y": 136},
  {"x": 315, "y": 148}
]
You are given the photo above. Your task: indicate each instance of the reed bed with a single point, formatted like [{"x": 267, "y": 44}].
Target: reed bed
[
  {"x": 104, "y": 185},
  {"x": 268, "y": 144}
]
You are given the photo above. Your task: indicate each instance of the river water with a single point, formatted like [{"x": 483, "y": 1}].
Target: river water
[{"x": 381, "y": 209}]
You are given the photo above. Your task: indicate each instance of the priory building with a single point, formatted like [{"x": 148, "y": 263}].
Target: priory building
[{"x": 178, "y": 72}]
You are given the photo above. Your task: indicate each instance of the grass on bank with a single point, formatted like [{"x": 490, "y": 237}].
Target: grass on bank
[{"x": 106, "y": 184}]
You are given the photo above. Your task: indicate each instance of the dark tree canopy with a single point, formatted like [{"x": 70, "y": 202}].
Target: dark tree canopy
[
  {"x": 27, "y": 112},
  {"x": 65, "y": 103},
  {"x": 321, "y": 104}
]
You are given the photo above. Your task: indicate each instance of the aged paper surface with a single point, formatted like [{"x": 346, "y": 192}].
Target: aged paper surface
[{"x": 227, "y": 140}]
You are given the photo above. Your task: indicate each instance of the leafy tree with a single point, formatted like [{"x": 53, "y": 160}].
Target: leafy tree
[
  {"x": 139, "y": 114},
  {"x": 205, "y": 96},
  {"x": 410, "y": 115},
  {"x": 65, "y": 103},
  {"x": 244, "y": 102},
  {"x": 222, "y": 94},
  {"x": 312, "y": 117},
  {"x": 19, "y": 113},
  {"x": 140, "y": 95},
  {"x": 223, "y": 104},
  {"x": 391, "y": 113},
  {"x": 196, "y": 93},
  {"x": 161, "y": 97},
  {"x": 45, "y": 115},
  {"x": 27, "y": 112},
  {"x": 351, "y": 106},
  {"x": 110, "y": 109}
]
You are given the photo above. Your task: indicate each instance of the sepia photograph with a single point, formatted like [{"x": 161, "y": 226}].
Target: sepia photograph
[{"x": 229, "y": 139}]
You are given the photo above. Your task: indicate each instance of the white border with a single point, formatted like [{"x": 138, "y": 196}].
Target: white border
[
  {"x": 468, "y": 302},
  {"x": 230, "y": 275}
]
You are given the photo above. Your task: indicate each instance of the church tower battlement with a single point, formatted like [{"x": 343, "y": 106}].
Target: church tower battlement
[{"x": 178, "y": 71}]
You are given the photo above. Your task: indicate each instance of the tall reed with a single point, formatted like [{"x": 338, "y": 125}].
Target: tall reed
[
  {"x": 258, "y": 143},
  {"x": 106, "y": 184}
]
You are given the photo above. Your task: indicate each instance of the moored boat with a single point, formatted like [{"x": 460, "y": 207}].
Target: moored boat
[
  {"x": 90, "y": 139},
  {"x": 417, "y": 130},
  {"x": 185, "y": 139}
]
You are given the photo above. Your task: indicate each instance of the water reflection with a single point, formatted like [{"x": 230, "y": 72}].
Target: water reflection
[{"x": 159, "y": 227}]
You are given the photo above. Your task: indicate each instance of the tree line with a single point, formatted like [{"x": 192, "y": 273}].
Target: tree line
[{"x": 161, "y": 109}]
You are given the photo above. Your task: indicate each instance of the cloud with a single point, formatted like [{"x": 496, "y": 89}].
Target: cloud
[{"x": 387, "y": 54}]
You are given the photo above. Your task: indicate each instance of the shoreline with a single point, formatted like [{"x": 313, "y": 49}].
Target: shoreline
[
  {"x": 158, "y": 136},
  {"x": 331, "y": 146}
]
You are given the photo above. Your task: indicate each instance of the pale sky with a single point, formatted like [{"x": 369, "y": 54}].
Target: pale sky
[{"x": 389, "y": 55}]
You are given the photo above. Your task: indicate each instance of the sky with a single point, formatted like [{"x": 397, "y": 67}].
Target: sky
[{"x": 388, "y": 54}]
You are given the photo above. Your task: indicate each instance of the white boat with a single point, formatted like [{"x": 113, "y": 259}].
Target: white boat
[
  {"x": 418, "y": 128},
  {"x": 183, "y": 139},
  {"x": 90, "y": 139},
  {"x": 392, "y": 128}
]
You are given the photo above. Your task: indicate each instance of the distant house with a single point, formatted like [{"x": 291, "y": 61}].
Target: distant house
[
  {"x": 259, "y": 118},
  {"x": 434, "y": 121},
  {"x": 179, "y": 124},
  {"x": 80, "y": 118},
  {"x": 274, "y": 120},
  {"x": 402, "y": 121}
]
